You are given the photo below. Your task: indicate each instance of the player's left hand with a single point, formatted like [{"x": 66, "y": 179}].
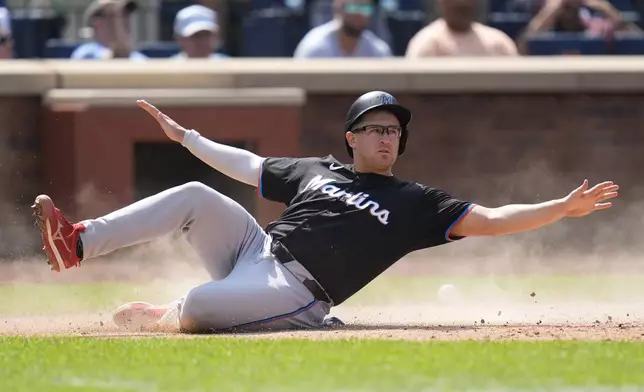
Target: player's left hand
[
  {"x": 172, "y": 130},
  {"x": 582, "y": 201}
]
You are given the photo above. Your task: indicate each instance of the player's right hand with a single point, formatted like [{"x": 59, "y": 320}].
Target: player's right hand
[{"x": 173, "y": 130}]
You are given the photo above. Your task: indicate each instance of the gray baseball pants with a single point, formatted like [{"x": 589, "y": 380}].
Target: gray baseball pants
[{"x": 250, "y": 289}]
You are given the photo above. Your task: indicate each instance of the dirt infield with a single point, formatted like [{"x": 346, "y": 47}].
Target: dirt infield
[
  {"x": 561, "y": 322},
  {"x": 61, "y": 327}
]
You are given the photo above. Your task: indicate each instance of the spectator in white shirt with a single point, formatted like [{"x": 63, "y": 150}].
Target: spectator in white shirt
[
  {"x": 197, "y": 32},
  {"x": 346, "y": 35}
]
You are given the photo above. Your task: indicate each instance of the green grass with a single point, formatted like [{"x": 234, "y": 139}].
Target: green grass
[
  {"x": 52, "y": 298},
  {"x": 235, "y": 364},
  {"x": 224, "y": 364}
]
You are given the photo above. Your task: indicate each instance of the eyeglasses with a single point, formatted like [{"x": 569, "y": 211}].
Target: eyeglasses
[{"x": 380, "y": 130}]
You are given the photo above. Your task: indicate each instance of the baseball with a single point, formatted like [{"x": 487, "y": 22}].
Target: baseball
[{"x": 448, "y": 293}]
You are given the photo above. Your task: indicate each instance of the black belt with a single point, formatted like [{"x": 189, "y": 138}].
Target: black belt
[{"x": 284, "y": 256}]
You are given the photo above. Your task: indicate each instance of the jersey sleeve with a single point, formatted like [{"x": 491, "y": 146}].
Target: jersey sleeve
[
  {"x": 439, "y": 213},
  {"x": 280, "y": 178}
]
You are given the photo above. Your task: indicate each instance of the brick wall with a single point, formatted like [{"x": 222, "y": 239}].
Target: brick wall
[
  {"x": 20, "y": 174},
  {"x": 94, "y": 151}
]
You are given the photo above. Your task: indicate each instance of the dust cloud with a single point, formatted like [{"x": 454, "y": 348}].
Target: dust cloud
[
  {"x": 605, "y": 243},
  {"x": 585, "y": 251}
]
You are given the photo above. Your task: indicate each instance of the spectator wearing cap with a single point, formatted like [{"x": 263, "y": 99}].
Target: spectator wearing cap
[
  {"x": 110, "y": 22},
  {"x": 197, "y": 33},
  {"x": 6, "y": 39},
  {"x": 347, "y": 35}
]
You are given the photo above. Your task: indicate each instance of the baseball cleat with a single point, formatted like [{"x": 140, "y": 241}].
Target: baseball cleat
[
  {"x": 333, "y": 322},
  {"x": 137, "y": 315},
  {"x": 61, "y": 239}
]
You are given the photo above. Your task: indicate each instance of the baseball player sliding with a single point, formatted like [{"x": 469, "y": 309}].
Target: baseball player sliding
[{"x": 342, "y": 227}]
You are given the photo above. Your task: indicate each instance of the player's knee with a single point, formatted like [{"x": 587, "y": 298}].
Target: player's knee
[
  {"x": 197, "y": 191},
  {"x": 196, "y": 188},
  {"x": 194, "y": 311}
]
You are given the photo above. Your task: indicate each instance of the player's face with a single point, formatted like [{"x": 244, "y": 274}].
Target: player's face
[{"x": 375, "y": 140}]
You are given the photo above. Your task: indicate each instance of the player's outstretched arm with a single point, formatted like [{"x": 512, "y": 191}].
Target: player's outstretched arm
[
  {"x": 516, "y": 218},
  {"x": 236, "y": 163}
]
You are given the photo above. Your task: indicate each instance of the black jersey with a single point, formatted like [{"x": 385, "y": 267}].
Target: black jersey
[{"x": 346, "y": 228}]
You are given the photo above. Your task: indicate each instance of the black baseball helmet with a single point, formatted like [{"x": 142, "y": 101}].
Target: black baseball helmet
[{"x": 383, "y": 101}]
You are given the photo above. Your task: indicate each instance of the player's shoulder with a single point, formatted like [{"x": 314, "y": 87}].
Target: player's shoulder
[
  {"x": 413, "y": 186},
  {"x": 332, "y": 163},
  {"x": 303, "y": 161},
  {"x": 328, "y": 159},
  {"x": 322, "y": 160},
  {"x": 417, "y": 189}
]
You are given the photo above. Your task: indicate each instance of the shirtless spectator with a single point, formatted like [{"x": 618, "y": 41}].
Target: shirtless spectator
[
  {"x": 457, "y": 33},
  {"x": 574, "y": 16}
]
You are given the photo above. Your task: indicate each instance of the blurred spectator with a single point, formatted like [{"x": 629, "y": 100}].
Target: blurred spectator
[
  {"x": 197, "y": 32},
  {"x": 6, "y": 39},
  {"x": 321, "y": 11},
  {"x": 110, "y": 23},
  {"x": 346, "y": 35},
  {"x": 457, "y": 33},
  {"x": 591, "y": 17}
]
